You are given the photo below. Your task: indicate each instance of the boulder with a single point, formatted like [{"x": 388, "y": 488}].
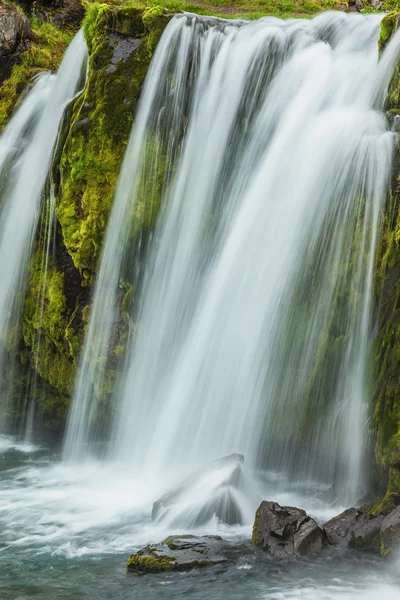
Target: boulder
[
  {"x": 185, "y": 552},
  {"x": 390, "y": 531},
  {"x": 286, "y": 531},
  {"x": 354, "y": 528},
  {"x": 212, "y": 490}
]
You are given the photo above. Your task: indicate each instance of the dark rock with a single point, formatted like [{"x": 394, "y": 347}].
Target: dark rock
[
  {"x": 14, "y": 29},
  {"x": 286, "y": 531},
  {"x": 124, "y": 47},
  {"x": 354, "y": 528},
  {"x": 15, "y": 32},
  {"x": 217, "y": 483},
  {"x": 185, "y": 552},
  {"x": 390, "y": 531}
]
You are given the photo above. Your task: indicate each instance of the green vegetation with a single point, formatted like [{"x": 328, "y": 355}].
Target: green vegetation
[
  {"x": 44, "y": 54},
  {"x": 148, "y": 561}
]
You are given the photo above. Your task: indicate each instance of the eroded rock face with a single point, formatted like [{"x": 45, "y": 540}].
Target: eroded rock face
[
  {"x": 210, "y": 491},
  {"x": 185, "y": 552},
  {"x": 14, "y": 29},
  {"x": 354, "y": 528},
  {"x": 286, "y": 531}
]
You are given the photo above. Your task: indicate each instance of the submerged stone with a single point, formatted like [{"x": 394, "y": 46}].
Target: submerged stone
[
  {"x": 208, "y": 492},
  {"x": 185, "y": 552},
  {"x": 354, "y": 528},
  {"x": 286, "y": 531}
]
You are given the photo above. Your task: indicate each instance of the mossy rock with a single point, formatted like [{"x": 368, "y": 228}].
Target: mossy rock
[
  {"x": 185, "y": 552},
  {"x": 121, "y": 44}
]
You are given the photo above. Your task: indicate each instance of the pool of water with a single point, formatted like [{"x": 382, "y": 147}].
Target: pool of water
[{"x": 66, "y": 532}]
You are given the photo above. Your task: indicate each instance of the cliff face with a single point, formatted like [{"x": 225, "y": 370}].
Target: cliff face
[{"x": 121, "y": 38}]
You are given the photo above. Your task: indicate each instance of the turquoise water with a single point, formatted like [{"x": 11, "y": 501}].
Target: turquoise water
[{"x": 66, "y": 533}]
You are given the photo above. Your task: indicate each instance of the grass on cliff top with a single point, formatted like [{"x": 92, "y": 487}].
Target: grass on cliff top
[{"x": 234, "y": 9}]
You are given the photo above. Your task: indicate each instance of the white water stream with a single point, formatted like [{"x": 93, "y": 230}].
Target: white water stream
[
  {"x": 26, "y": 150},
  {"x": 252, "y": 333}
]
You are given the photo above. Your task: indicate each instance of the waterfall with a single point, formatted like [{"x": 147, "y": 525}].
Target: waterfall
[
  {"x": 252, "y": 329},
  {"x": 26, "y": 150}
]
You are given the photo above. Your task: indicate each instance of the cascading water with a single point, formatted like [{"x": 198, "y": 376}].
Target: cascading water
[
  {"x": 26, "y": 150},
  {"x": 266, "y": 148},
  {"x": 252, "y": 333}
]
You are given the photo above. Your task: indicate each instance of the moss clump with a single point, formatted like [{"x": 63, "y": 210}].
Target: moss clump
[
  {"x": 148, "y": 561},
  {"x": 44, "y": 53},
  {"x": 100, "y": 125},
  {"x": 389, "y": 25},
  {"x": 45, "y": 326}
]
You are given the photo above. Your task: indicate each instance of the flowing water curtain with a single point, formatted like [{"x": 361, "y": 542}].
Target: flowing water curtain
[
  {"x": 275, "y": 187},
  {"x": 148, "y": 166},
  {"x": 26, "y": 150},
  {"x": 172, "y": 93},
  {"x": 40, "y": 269}
]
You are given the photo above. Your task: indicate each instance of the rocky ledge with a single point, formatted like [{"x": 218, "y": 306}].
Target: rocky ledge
[
  {"x": 281, "y": 531},
  {"x": 185, "y": 552}
]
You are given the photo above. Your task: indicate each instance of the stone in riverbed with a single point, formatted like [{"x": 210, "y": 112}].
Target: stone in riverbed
[
  {"x": 286, "y": 531},
  {"x": 185, "y": 552},
  {"x": 354, "y": 528}
]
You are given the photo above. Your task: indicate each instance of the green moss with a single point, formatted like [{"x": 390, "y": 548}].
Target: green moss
[
  {"x": 44, "y": 54},
  {"x": 99, "y": 130},
  {"x": 45, "y": 323}
]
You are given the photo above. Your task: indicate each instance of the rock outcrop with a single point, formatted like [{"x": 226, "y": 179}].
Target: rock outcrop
[
  {"x": 354, "y": 528},
  {"x": 286, "y": 531},
  {"x": 185, "y": 552}
]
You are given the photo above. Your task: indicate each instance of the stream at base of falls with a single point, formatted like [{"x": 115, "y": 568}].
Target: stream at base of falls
[{"x": 66, "y": 531}]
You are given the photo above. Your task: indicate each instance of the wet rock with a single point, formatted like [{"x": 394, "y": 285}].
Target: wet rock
[
  {"x": 354, "y": 528},
  {"x": 286, "y": 531},
  {"x": 211, "y": 491},
  {"x": 185, "y": 552},
  {"x": 390, "y": 531},
  {"x": 124, "y": 47}
]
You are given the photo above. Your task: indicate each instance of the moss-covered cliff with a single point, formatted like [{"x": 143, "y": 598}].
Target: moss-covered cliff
[
  {"x": 122, "y": 36},
  {"x": 386, "y": 352}
]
